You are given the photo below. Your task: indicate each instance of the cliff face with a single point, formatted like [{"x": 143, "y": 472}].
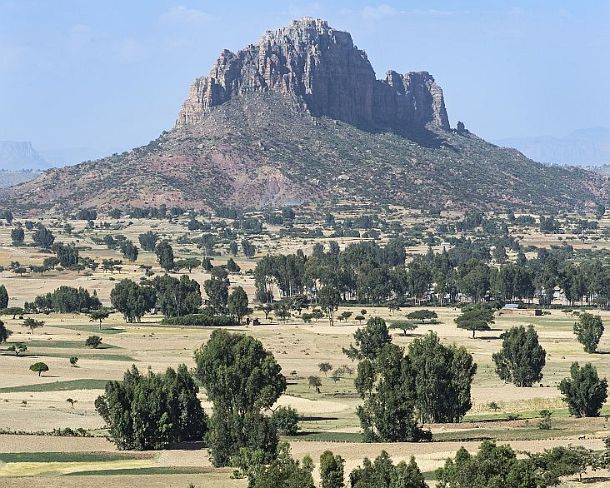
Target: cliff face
[{"x": 322, "y": 70}]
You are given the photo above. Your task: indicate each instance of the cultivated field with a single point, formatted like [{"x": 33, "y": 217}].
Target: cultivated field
[{"x": 30, "y": 404}]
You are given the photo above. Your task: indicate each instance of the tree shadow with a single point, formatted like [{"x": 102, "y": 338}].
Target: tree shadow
[
  {"x": 595, "y": 479},
  {"x": 316, "y": 419}
]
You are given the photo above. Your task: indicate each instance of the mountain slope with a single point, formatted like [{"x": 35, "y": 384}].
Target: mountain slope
[{"x": 301, "y": 117}]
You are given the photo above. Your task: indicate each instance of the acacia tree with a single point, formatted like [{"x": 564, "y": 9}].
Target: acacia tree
[
  {"x": 478, "y": 317},
  {"x": 589, "y": 330},
  {"x": 521, "y": 358},
  {"x": 584, "y": 392},
  {"x": 39, "y": 368},
  {"x": 241, "y": 379},
  {"x": 32, "y": 324},
  {"x": 99, "y": 316}
]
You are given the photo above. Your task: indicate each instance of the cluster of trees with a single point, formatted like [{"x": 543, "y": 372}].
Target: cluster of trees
[
  {"x": 494, "y": 466},
  {"x": 286, "y": 472},
  {"x": 491, "y": 467},
  {"x": 152, "y": 411},
  {"x": 367, "y": 273},
  {"x": 430, "y": 383},
  {"x": 65, "y": 299}
]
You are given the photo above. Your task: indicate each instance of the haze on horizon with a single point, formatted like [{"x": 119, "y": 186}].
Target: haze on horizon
[{"x": 113, "y": 75}]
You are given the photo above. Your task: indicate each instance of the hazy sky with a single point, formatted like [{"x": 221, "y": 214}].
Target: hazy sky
[{"x": 113, "y": 73}]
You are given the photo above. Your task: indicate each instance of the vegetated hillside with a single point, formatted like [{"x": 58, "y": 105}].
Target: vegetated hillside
[
  {"x": 260, "y": 150},
  {"x": 299, "y": 117},
  {"x": 10, "y": 178}
]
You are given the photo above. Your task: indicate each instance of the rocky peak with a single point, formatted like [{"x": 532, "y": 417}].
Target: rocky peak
[{"x": 321, "y": 69}]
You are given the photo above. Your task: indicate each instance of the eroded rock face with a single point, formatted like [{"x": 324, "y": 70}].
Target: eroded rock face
[{"x": 326, "y": 74}]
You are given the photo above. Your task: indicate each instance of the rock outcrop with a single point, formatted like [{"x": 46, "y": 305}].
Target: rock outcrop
[{"x": 322, "y": 70}]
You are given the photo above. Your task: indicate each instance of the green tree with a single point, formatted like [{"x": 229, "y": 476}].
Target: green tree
[
  {"x": 99, "y": 316},
  {"x": 388, "y": 389},
  {"x": 3, "y": 297},
  {"x": 478, "y": 317},
  {"x": 17, "y": 236},
  {"x": 132, "y": 300},
  {"x": 369, "y": 340},
  {"x": 493, "y": 466},
  {"x": 18, "y": 348},
  {"x": 382, "y": 473},
  {"x": 248, "y": 248},
  {"x": 4, "y": 333},
  {"x": 177, "y": 297},
  {"x": 584, "y": 392},
  {"x": 403, "y": 325},
  {"x": 422, "y": 315},
  {"x": 285, "y": 420},
  {"x": 282, "y": 472},
  {"x": 325, "y": 368},
  {"x": 152, "y": 411},
  {"x": 93, "y": 341},
  {"x": 73, "y": 361},
  {"x": 443, "y": 377},
  {"x": 148, "y": 240},
  {"x": 232, "y": 266},
  {"x": 43, "y": 237},
  {"x": 314, "y": 381},
  {"x": 589, "y": 330},
  {"x": 39, "y": 368},
  {"x": 233, "y": 248},
  {"x": 165, "y": 255},
  {"x": 329, "y": 299},
  {"x": 237, "y": 303},
  {"x": 67, "y": 255},
  {"x": 129, "y": 250},
  {"x": 217, "y": 290},
  {"x": 331, "y": 470},
  {"x": 241, "y": 380},
  {"x": 32, "y": 324},
  {"x": 521, "y": 358},
  {"x": 545, "y": 421}
]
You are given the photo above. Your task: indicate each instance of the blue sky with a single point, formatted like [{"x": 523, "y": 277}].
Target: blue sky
[{"x": 111, "y": 74}]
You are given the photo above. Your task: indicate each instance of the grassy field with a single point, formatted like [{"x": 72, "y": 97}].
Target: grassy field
[{"x": 33, "y": 404}]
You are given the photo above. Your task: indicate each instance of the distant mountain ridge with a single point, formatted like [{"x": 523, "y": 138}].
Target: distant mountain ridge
[
  {"x": 583, "y": 147},
  {"x": 20, "y": 155},
  {"x": 301, "y": 117}
]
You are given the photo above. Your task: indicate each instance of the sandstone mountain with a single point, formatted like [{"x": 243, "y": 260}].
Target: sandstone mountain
[
  {"x": 20, "y": 155},
  {"x": 298, "y": 117}
]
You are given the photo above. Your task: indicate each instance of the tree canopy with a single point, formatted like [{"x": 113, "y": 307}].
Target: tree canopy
[{"x": 521, "y": 358}]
